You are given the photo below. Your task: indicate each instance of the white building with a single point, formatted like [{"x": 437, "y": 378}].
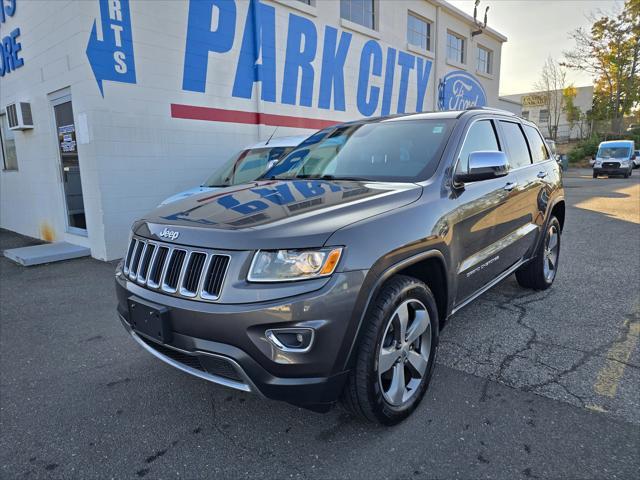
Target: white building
[
  {"x": 534, "y": 106},
  {"x": 126, "y": 102}
]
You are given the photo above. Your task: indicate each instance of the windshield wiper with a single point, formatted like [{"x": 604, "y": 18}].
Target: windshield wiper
[{"x": 331, "y": 177}]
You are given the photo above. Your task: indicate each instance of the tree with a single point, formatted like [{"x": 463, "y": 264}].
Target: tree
[
  {"x": 551, "y": 84},
  {"x": 576, "y": 118},
  {"x": 610, "y": 51}
]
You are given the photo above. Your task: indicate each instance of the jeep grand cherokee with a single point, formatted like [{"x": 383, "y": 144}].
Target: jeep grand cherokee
[{"x": 331, "y": 277}]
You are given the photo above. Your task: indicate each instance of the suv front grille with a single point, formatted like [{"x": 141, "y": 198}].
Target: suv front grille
[{"x": 176, "y": 270}]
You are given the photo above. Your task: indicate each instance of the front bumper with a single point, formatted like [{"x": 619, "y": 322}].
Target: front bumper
[
  {"x": 611, "y": 171},
  {"x": 226, "y": 343}
]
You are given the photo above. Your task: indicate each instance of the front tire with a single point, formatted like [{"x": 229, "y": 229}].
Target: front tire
[
  {"x": 595, "y": 175},
  {"x": 396, "y": 356},
  {"x": 541, "y": 271}
]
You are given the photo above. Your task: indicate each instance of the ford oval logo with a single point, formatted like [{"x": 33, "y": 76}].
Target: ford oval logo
[
  {"x": 170, "y": 234},
  {"x": 460, "y": 90}
]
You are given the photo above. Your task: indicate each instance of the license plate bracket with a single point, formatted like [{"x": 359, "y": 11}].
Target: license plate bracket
[{"x": 149, "y": 319}]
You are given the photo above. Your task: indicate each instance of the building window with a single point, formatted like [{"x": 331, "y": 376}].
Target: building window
[
  {"x": 525, "y": 115},
  {"x": 311, "y": 3},
  {"x": 418, "y": 32},
  {"x": 455, "y": 47},
  {"x": 485, "y": 60},
  {"x": 544, "y": 116},
  {"x": 7, "y": 146},
  {"x": 361, "y": 12}
]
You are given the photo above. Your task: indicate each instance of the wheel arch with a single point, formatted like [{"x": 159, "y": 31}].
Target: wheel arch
[
  {"x": 558, "y": 210},
  {"x": 429, "y": 267}
]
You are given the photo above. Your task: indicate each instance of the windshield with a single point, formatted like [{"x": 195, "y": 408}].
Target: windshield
[
  {"x": 614, "y": 152},
  {"x": 246, "y": 166},
  {"x": 388, "y": 151}
]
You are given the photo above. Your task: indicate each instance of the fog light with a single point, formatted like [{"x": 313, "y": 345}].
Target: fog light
[{"x": 298, "y": 340}]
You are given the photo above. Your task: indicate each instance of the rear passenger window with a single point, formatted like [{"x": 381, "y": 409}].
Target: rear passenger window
[
  {"x": 518, "y": 151},
  {"x": 481, "y": 137},
  {"x": 539, "y": 150}
]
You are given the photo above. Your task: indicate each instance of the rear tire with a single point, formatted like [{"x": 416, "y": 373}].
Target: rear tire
[
  {"x": 392, "y": 372},
  {"x": 626, "y": 174},
  {"x": 541, "y": 271}
]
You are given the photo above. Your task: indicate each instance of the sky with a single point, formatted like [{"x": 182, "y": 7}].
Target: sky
[{"x": 536, "y": 29}]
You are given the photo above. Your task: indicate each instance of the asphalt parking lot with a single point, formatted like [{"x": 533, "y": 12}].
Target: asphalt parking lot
[{"x": 529, "y": 385}]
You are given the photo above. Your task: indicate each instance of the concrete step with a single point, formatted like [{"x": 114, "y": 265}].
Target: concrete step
[{"x": 46, "y": 253}]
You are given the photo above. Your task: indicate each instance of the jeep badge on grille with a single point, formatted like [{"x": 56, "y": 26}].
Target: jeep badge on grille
[{"x": 170, "y": 234}]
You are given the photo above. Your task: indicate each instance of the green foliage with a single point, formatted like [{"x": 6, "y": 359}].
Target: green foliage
[{"x": 610, "y": 51}]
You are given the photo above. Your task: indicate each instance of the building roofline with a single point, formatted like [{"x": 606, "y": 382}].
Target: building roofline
[
  {"x": 509, "y": 100},
  {"x": 468, "y": 18}
]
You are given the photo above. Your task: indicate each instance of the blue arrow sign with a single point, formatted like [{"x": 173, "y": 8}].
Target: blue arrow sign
[{"x": 111, "y": 57}]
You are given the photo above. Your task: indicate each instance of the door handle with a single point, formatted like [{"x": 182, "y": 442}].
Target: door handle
[
  {"x": 510, "y": 186},
  {"x": 542, "y": 174}
]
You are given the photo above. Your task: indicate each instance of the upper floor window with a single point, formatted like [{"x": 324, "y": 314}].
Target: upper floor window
[
  {"x": 525, "y": 114},
  {"x": 544, "y": 116},
  {"x": 455, "y": 47},
  {"x": 311, "y": 3},
  {"x": 418, "y": 32},
  {"x": 361, "y": 12},
  {"x": 485, "y": 60},
  {"x": 7, "y": 146}
]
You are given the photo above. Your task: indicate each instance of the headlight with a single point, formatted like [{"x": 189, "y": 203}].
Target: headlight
[{"x": 290, "y": 265}]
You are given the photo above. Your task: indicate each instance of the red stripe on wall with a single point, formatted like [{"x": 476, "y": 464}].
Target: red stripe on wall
[{"x": 192, "y": 112}]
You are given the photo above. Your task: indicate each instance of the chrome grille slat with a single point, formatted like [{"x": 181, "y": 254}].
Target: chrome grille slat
[
  {"x": 157, "y": 266},
  {"x": 214, "y": 277},
  {"x": 145, "y": 261},
  {"x": 130, "y": 249},
  {"x": 192, "y": 274},
  {"x": 133, "y": 268},
  {"x": 176, "y": 270},
  {"x": 173, "y": 272}
]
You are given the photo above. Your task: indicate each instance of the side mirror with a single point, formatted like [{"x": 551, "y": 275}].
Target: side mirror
[
  {"x": 633, "y": 157},
  {"x": 484, "y": 166}
]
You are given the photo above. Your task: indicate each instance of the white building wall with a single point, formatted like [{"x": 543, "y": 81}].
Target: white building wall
[
  {"x": 135, "y": 153},
  {"x": 583, "y": 100}
]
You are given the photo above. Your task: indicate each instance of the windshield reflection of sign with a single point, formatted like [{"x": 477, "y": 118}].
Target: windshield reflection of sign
[
  {"x": 461, "y": 90},
  {"x": 67, "y": 138},
  {"x": 250, "y": 207}
]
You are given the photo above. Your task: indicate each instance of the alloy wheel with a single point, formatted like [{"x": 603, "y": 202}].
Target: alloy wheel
[
  {"x": 403, "y": 359},
  {"x": 551, "y": 253}
]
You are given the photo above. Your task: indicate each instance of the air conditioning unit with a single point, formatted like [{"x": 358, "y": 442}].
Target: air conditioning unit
[{"x": 19, "y": 116}]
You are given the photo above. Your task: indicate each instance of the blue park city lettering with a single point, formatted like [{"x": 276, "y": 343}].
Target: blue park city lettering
[
  {"x": 9, "y": 45},
  {"x": 259, "y": 44}
]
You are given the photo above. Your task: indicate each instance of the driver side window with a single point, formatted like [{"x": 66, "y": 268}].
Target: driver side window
[{"x": 481, "y": 137}]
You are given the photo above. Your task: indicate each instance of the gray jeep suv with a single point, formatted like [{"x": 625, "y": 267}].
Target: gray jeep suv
[{"x": 331, "y": 277}]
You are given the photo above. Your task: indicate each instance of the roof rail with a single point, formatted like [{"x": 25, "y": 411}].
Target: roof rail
[{"x": 491, "y": 109}]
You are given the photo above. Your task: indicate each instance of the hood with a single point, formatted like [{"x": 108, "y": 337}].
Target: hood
[
  {"x": 273, "y": 214},
  {"x": 185, "y": 194}
]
